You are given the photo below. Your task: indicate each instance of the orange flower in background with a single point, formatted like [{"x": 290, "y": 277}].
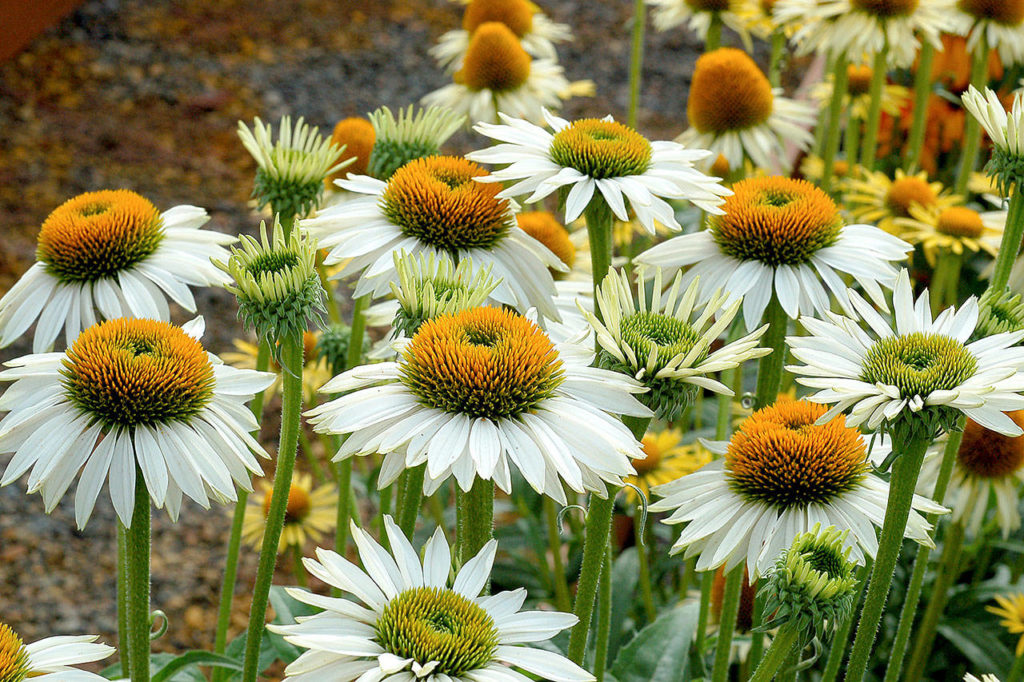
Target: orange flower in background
[{"x": 952, "y": 66}]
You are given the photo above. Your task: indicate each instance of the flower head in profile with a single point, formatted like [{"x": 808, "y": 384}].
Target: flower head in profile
[
  {"x": 291, "y": 170},
  {"x": 916, "y": 376},
  {"x": 311, "y": 512},
  {"x": 276, "y": 283},
  {"x": 783, "y": 471},
  {"x": 51, "y": 659},
  {"x": 128, "y": 395},
  {"x": 667, "y": 458},
  {"x": 785, "y": 238},
  {"x": 408, "y": 621},
  {"x": 1011, "y": 609},
  {"x": 598, "y": 157},
  {"x": 475, "y": 393},
  {"x": 999, "y": 24},
  {"x": 438, "y": 207},
  {"x": 332, "y": 348},
  {"x": 665, "y": 345},
  {"x": 1006, "y": 130},
  {"x": 498, "y": 75},
  {"x": 698, "y": 15},
  {"x": 537, "y": 33},
  {"x": 414, "y": 133},
  {"x": 109, "y": 254},
  {"x": 734, "y": 111},
  {"x": 813, "y": 584}
]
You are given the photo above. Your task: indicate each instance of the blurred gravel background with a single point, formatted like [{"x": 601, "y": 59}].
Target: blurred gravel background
[{"x": 146, "y": 95}]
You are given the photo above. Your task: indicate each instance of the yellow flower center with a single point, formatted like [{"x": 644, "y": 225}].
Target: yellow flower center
[
  {"x": 1006, "y": 12},
  {"x": 720, "y": 168},
  {"x": 482, "y": 362},
  {"x": 653, "y": 459},
  {"x": 960, "y": 222},
  {"x": 779, "y": 456},
  {"x": 309, "y": 342},
  {"x": 517, "y": 15},
  {"x": 859, "y": 80},
  {"x": 989, "y": 454},
  {"x": 437, "y": 200},
  {"x": 495, "y": 60},
  {"x": 728, "y": 92},
  {"x": 429, "y": 624},
  {"x": 300, "y": 504},
  {"x": 886, "y": 8},
  {"x": 545, "y": 228},
  {"x": 131, "y": 372},
  {"x": 358, "y": 137},
  {"x": 97, "y": 234},
  {"x": 601, "y": 149},
  {"x": 776, "y": 220},
  {"x": 709, "y": 5},
  {"x": 13, "y": 656},
  {"x": 767, "y": 6},
  {"x": 905, "y": 192},
  {"x": 840, "y": 168}
]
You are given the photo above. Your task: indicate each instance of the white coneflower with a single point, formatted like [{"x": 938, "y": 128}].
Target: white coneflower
[
  {"x": 127, "y": 395},
  {"x": 1005, "y": 129},
  {"x": 591, "y": 156},
  {"x": 51, "y": 659},
  {"x": 783, "y": 471},
  {"x": 663, "y": 344},
  {"x": 291, "y": 170},
  {"x": 783, "y": 237},
  {"x": 109, "y": 254},
  {"x": 435, "y": 206},
  {"x": 698, "y": 15},
  {"x": 475, "y": 393},
  {"x": 999, "y": 23},
  {"x": 920, "y": 373},
  {"x": 411, "y": 623},
  {"x": 734, "y": 112},
  {"x": 530, "y": 25}
]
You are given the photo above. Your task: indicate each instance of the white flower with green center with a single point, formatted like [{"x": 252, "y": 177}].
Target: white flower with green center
[
  {"x": 598, "y": 155},
  {"x": 414, "y": 134},
  {"x": 435, "y": 206},
  {"x": 784, "y": 237},
  {"x": 50, "y": 659},
  {"x": 785, "y": 469},
  {"x": 412, "y": 623},
  {"x": 919, "y": 373},
  {"x": 110, "y": 254},
  {"x": 291, "y": 170},
  {"x": 480, "y": 391},
  {"x": 1005, "y": 129},
  {"x": 128, "y": 395},
  {"x": 661, "y": 345}
]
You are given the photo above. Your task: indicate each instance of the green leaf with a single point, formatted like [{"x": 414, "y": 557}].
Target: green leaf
[
  {"x": 192, "y": 659},
  {"x": 976, "y": 641},
  {"x": 661, "y": 651}
]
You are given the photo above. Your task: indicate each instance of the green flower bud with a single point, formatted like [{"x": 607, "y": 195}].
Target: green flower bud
[{"x": 409, "y": 136}]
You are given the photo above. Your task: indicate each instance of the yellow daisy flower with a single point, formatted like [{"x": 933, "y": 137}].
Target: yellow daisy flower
[
  {"x": 872, "y": 197},
  {"x": 667, "y": 459},
  {"x": 311, "y": 511},
  {"x": 812, "y": 168},
  {"x": 957, "y": 229},
  {"x": 1011, "y": 609}
]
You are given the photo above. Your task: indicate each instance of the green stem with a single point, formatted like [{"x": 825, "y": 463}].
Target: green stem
[
  {"x": 723, "y": 415},
  {"x": 821, "y": 125},
  {"x": 840, "y": 81},
  {"x": 562, "y": 601},
  {"x": 922, "y": 91},
  {"x": 636, "y": 59},
  {"x": 714, "y": 39},
  {"x": 707, "y": 582},
  {"x": 412, "y": 500},
  {"x": 948, "y": 571},
  {"x": 298, "y": 568},
  {"x": 476, "y": 527},
  {"x": 784, "y": 642},
  {"x": 604, "y": 617},
  {"x": 646, "y": 593},
  {"x": 913, "y": 596},
  {"x": 756, "y": 637},
  {"x": 727, "y": 623},
  {"x": 227, "y": 586},
  {"x": 769, "y": 371},
  {"x": 137, "y": 546},
  {"x": 945, "y": 281},
  {"x": 972, "y": 128},
  {"x": 122, "y": 597},
  {"x": 851, "y": 142},
  {"x": 841, "y": 638},
  {"x": 788, "y": 672},
  {"x": 905, "y": 471},
  {"x": 775, "y": 60},
  {"x": 599, "y": 219},
  {"x": 287, "y": 220},
  {"x": 291, "y": 416},
  {"x": 598, "y": 530},
  {"x": 1009, "y": 247},
  {"x": 879, "y": 70},
  {"x": 1017, "y": 671}
]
